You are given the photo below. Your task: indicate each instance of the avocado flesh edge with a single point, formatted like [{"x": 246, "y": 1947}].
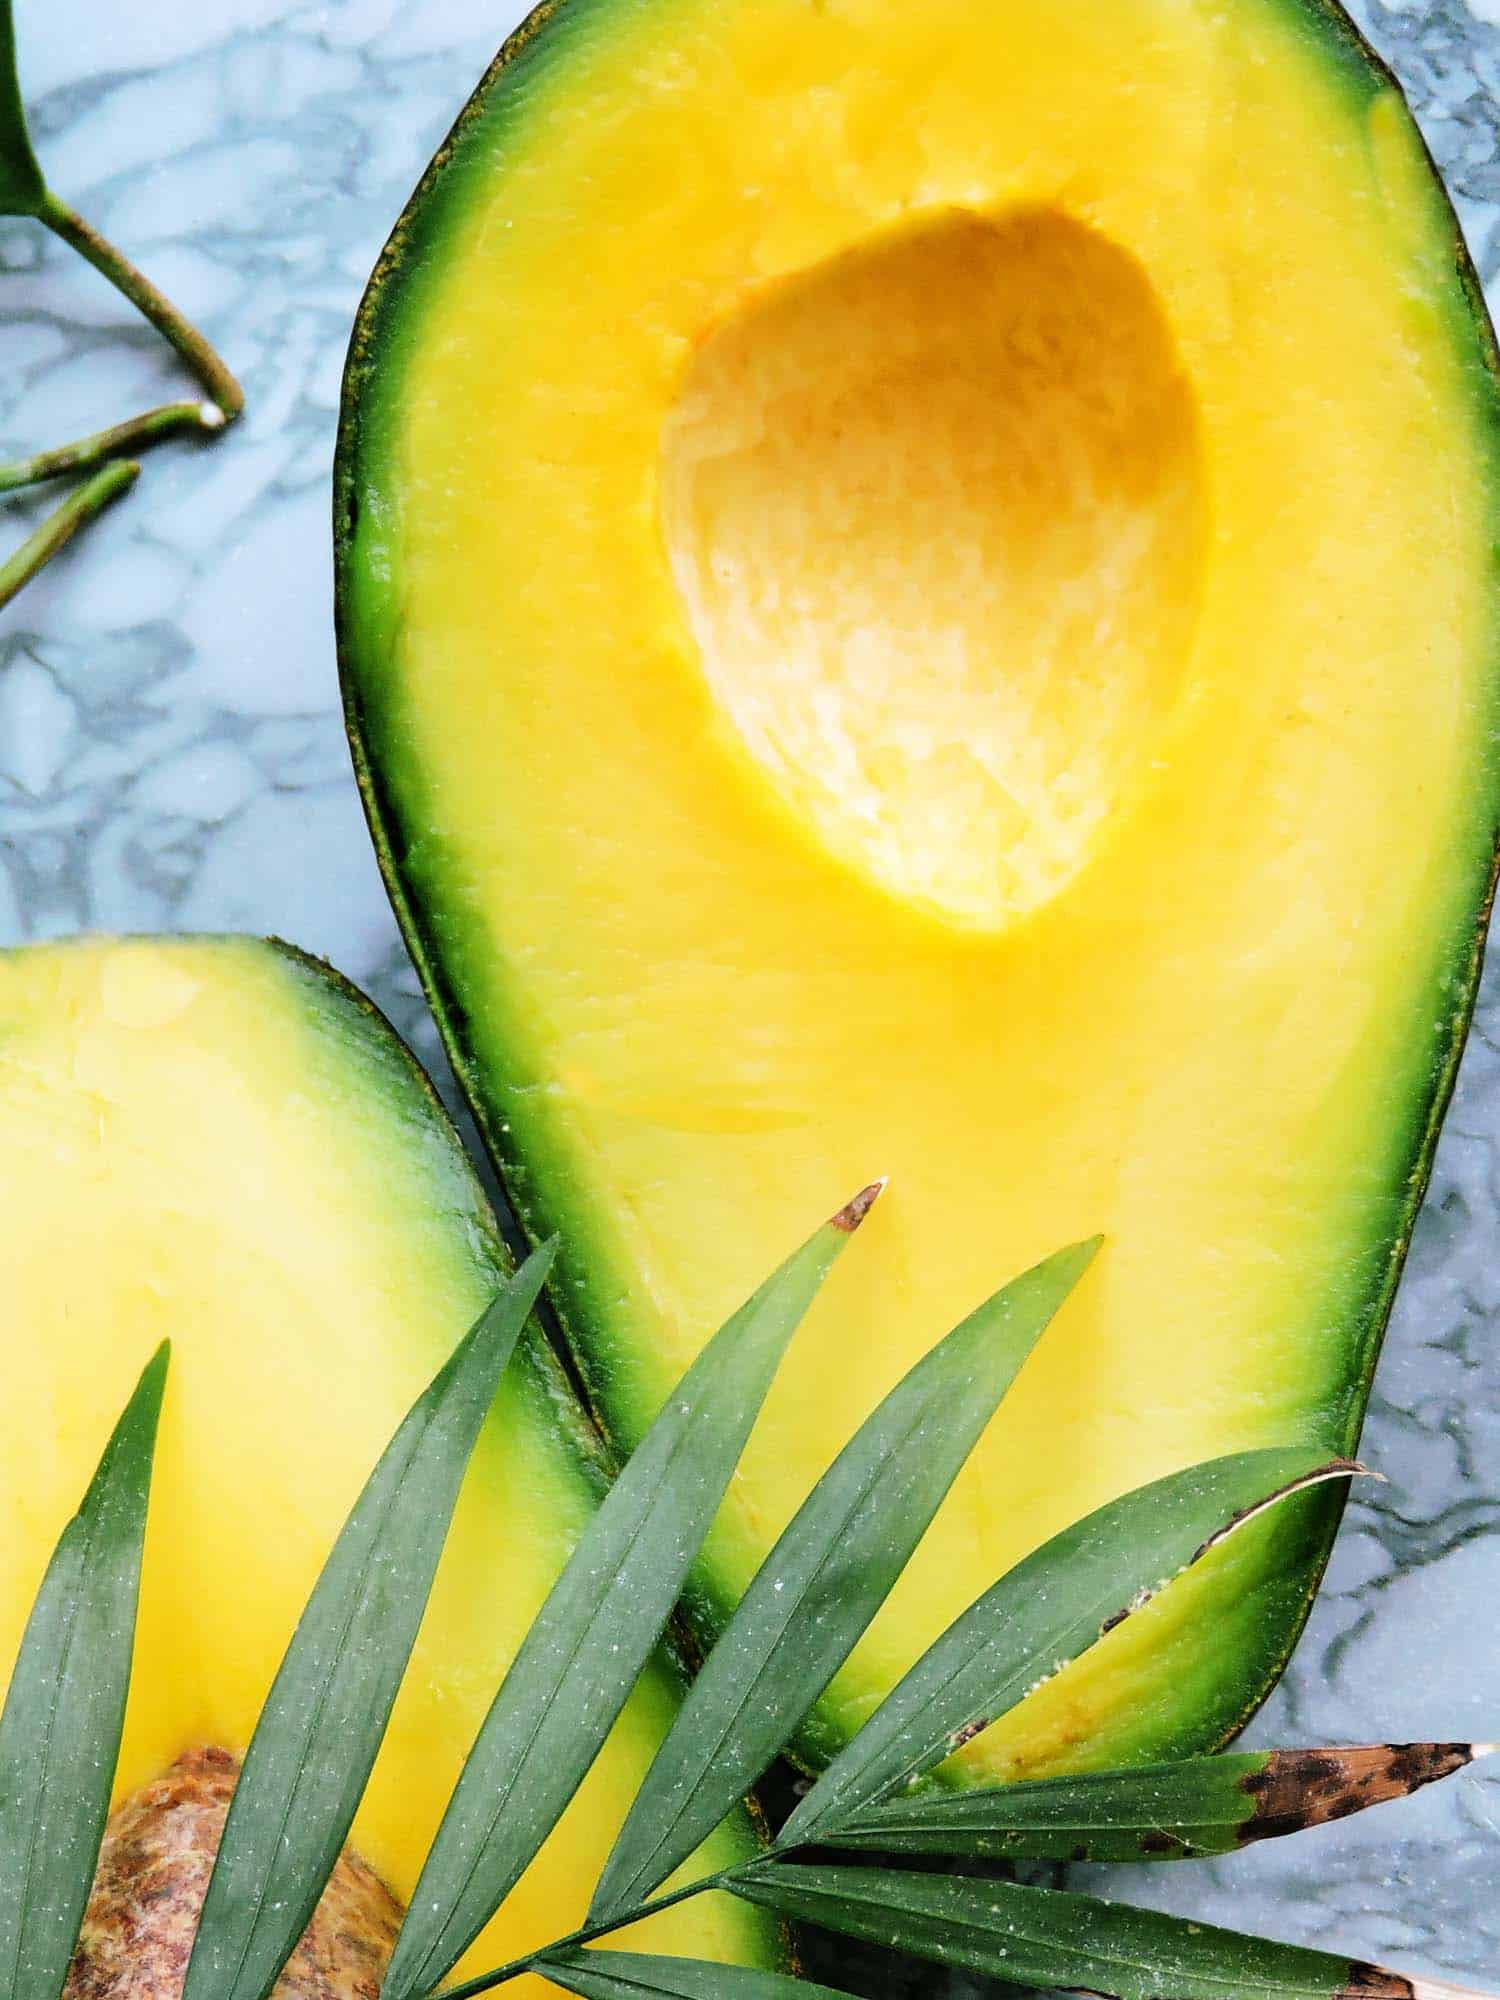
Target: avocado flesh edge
[
  {"x": 256, "y": 1166},
  {"x": 1281, "y": 1561}
]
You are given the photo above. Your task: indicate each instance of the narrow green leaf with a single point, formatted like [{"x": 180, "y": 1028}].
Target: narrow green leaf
[
  {"x": 625, "y": 1975},
  {"x": 325, "y": 1717},
  {"x": 601, "y": 1622},
  {"x": 1157, "y": 1812},
  {"x": 1054, "y": 1605},
  {"x": 1052, "y": 1937},
  {"x": 825, "y": 1579},
  {"x": 60, "y": 1731},
  {"x": 23, "y": 191}
]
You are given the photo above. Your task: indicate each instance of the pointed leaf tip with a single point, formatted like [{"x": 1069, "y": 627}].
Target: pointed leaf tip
[
  {"x": 853, "y": 1213},
  {"x": 1054, "y": 1938},
  {"x": 325, "y": 1718},
  {"x": 1152, "y": 1812},
  {"x": 1293, "y": 1789},
  {"x": 823, "y": 1582},
  {"x": 598, "y": 1626}
]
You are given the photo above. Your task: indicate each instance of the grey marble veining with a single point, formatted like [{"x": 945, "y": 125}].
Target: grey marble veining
[{"x": 171, "y": 757}]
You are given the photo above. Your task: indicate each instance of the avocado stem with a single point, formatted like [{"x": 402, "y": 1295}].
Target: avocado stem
[
  {"x": 118, "y": 441},
  {"x": 200, "y": 357},
  {"x": 64, "y": 522}
]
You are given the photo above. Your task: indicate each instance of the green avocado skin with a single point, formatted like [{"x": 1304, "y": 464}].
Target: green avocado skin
[
  {"x": 358, "y": 1036},
  {"x": 1265, "y": 1592}
]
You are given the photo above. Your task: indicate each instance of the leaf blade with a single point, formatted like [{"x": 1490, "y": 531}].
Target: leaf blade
[
  {"x": 626, "y": 1975},
  {"x": 65, "y": 1709},
  {"x": 326, "y": 1715},
  {"x": 1054, "y": 1937},
  {"x": 23, "y": 190},
  {"x": 1155, "y": 1812},
  {"x": 601, "y": 1621},
  {"x": 826, "y": 1577},
  {"x": 1045, "y": 1612}
]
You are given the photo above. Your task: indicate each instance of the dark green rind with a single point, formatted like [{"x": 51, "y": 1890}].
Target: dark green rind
[
  {"x": 389, "y": 317},
  {"x": 343, "y": 1012}
]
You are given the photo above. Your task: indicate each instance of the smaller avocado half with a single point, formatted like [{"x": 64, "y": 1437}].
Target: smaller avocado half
[{"x": 219, "y": 1141}]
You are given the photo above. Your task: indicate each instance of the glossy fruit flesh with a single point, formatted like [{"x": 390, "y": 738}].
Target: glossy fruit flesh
[
  {"x": 218, "y": 1141},
  {"x": 908, "y": 607}
]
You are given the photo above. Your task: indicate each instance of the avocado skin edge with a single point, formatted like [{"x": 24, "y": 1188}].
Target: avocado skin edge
[
  {"x": 1311, "y": 1521},
  {"x": 579, "y": 1435}
]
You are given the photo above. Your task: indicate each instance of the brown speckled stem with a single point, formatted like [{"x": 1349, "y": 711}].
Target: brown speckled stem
[{"x": 205, "y": 363}]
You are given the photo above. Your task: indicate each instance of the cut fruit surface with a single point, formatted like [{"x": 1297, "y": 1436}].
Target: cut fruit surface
[
  {"x": 936, "y": 513},
  {"x": 918, "y": 595},
  {"x": 219, "y": 1142}
]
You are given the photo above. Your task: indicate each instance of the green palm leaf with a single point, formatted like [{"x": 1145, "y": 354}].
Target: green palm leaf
[
  {"x": 325, "y": 1717},
  {"x": 1054, "y": 1605},
  {"x": 826, "y": 1578},
  {"x": 1053, "y": 1938},
  {"x": 60, "y": 1731},
  {"x": 1157, "y": 1812},
  {"x": 601, "y": 1622}
]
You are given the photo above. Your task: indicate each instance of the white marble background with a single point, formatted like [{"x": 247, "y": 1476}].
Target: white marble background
[{"x": 171, "y": 757}]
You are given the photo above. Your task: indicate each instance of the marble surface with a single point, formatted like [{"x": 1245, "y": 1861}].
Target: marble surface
[{"x": 171, "y": 757}]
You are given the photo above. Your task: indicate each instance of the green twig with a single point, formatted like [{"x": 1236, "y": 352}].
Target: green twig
[
  {"x": 116, "y": 442},
  {"x": 64, "y": 522},
  {"x": 724, "y": 1878},
  {"x": 485, "y": 1982},
  {"x": 138, "y": 288}
]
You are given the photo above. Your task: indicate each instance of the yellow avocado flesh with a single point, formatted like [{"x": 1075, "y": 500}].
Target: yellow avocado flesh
[
  {"x": 919, "y": 599},
  {"x": 217, "y": 1143}
]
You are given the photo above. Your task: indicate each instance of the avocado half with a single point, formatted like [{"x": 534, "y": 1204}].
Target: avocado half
[
  {"x": 917, "y": 594},
  {"x": 218, "y": 1141}
]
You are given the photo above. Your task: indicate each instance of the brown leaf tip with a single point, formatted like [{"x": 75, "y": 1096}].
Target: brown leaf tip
[
  {"x": 1302, "y": 1788},
  {"x": 853, "y": 1213},
  {"x": 1373, "y": 1982}
]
